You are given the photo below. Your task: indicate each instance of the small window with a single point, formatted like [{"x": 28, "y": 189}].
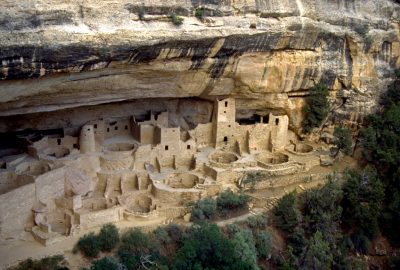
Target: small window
[
  {"x": 126, "y": 127},
  {"x": 95, "y": 125},
  {"x": 166, "y": 147},
  {"x": 108, "y": 129},
  {"x": 229, "y": 126},
  {"x": 224, "y": 111},
  {"x": 276, "y": 121},
  {"x": 59, "y": 141},
  {"x": 226, "y": 103},
  {"x": 116, "y": 128},
  {"x": 188, "y": 147},
  {"x": 88, "y": 129},
  {"x": 75, "y": 145},
  {"x": 226, "y": 139}
]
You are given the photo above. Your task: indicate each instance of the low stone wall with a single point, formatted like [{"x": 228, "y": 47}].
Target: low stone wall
[
  {"x": 98, "y": 218},
  {"x": 172, "y": 212}
]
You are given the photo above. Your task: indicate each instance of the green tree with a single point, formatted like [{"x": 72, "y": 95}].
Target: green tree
[
  {"x": 206, "y": 247},
  {"x": 263, "y": 244},
  {"x": 176, "y": 20},
  {"x": 245, "y": 249},
  {"x": 287, "y": 214},
  {"x": 228, "y": 201},
  {"x": 105, "y": 263},
  {"x": 108, "y": 237},
  {"x": 363, "y": 195},
  {"x": 317, "y": 107},
  {"x": 89, "y": 245},
  {"x": 343, "y": 140},
  {"x": 318, "y": 254},
  {"x": 204, "y": 209}
]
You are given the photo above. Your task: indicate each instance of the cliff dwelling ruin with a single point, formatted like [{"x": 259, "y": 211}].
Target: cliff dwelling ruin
[{"x": 132, "y": 169}]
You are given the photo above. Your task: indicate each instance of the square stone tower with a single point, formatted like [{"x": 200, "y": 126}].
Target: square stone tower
[{"x": 224, "y": 123}]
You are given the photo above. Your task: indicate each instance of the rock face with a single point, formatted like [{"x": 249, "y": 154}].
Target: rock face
[{"x": 266, "y": 53}]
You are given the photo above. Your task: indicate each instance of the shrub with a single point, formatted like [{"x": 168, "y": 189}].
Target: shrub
[
  {"x": 105, "y": 263},
  {"x": 89, "y": 245},
  {"x": 256, "y": 222},
  {"x": 230, "y": 201},
  {"x": 287, "y": 215},
  {"x": 162, "y": 235},
  {"x": 176, "y": 232},
  {"x": 141, "y": 13},
  {"x": 362, "y": 29},
  {"x": 108, "y": 237},
  {"x": 135, "y": 241},
  {"x": 199, "y": 13},
  {"x": 204, "y": 209},
  {"x": 361, "y": 243},
  {"x": 263, "y": 244},
  {"x": 343, "y": 139},
  {"x": 317, "y": 107},
  {"x": 176, "y": 20},
  {"x": 48, "y": 263}
]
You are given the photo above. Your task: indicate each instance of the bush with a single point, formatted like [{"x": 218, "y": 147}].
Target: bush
[
  {"x": 135, "y": 241},
  {"x": 361, "y": 243},
  {"x": 317, "y": 107},
  {"x": 256, "y": 222},
  {"x": 48, "y": 263},
  {"x": 176, "y": 232},
  {"x": 141, "y": 13},
  {"x": 263, "y": 244},
  {"x": 108, "y": 237},
  {"x": 287, "y": 215},
  {"x": 162, "y": 235},
  {"x": 199, "y": 13},
  {"x": 230, "y": 201},
  {"x": 176, "y": 20},
  {"x": 89, "y": 245},
  {"x": 343, "y": 139},
  {"x": 204, "y": 209},
  {"x": 105, "y": 263}
]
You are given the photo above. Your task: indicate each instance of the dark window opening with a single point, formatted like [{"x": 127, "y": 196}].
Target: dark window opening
[
  {"x": 75, "y": 145},
  {"x": 95, "y": 125},
  {"x": 88, "y": 129},
  {"x": 126, "y": 127},
  {"x": 108, "y": 129},
  {"x": 229, "y": 126},
  {"x": 226, "y": 103},
  {"x": 224, "y": 111},
  {"x": 226, "y": 139},
  {"x": 266, "y": 119},
  {"x": 188, "y": 147},
  {"x": 59, "y": 141},
  {"x": 277, "y": 121},
  {"x": 116, "y": 128},
  {"x": 166, "y": 147}
]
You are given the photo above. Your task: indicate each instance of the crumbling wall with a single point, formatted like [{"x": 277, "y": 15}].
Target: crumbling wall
[{"x": 203, "y": 134}]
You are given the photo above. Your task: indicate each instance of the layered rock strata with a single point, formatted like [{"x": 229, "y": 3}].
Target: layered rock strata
[{"x": 266, "y": 53}]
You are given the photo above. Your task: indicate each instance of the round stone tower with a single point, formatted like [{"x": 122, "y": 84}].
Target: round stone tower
[{"x": 87, "y": 142}]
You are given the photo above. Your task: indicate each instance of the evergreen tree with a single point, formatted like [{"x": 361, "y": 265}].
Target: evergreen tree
[{"x": 317, "y": 107}]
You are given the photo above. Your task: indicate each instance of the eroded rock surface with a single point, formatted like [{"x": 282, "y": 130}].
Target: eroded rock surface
[{"x": 265, "y": 53}]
